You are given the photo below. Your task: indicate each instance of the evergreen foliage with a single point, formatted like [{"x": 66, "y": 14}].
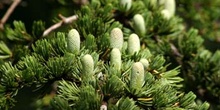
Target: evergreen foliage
[{"x": 123, "y": 55}]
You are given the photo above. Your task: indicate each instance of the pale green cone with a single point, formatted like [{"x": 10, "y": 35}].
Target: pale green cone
[
  {"x": 87, "y": 66},
  {"x": 133, "y": 44},
  {"x": 115, "y": 58},
  {"x": 126, "y": 4},
  {"x": 137, "y": 76},
  {"x": 139, "y": 24},
  {"x": 145, "y": 63},
  {"x": 166, "y": 14},
  {"x": 170, "y": 5},
  {"x": 116, "y": 38},
  {"x": 73, "y": 43}
]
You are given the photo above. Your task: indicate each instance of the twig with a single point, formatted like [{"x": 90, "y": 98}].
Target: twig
[
  {"x": 175, "y": 50},
  {"x": 172, "y": 46},
  {"x": 8, "y": 13},
  {"x": 65, "y": 20}
]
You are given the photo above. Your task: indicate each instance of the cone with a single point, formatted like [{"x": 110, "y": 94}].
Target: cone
[
  {"x": 73, "y": 43},
  {"x": 139, "y": 24},
  {"x": 137, "y": 76},
  {"x": 115, "y": 59},
  {"x": 116, "y": 38},
  {"x": 133, "y": 44}
]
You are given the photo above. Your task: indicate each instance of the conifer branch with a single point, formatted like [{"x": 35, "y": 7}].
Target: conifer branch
[
  {"x": 63, "y": 21},
  {"x": 8, "y": 13},
  {"x": 107, "y": 69}
]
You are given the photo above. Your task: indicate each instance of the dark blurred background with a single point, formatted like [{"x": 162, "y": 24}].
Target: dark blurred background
[{"x": 33, "y": 10}]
